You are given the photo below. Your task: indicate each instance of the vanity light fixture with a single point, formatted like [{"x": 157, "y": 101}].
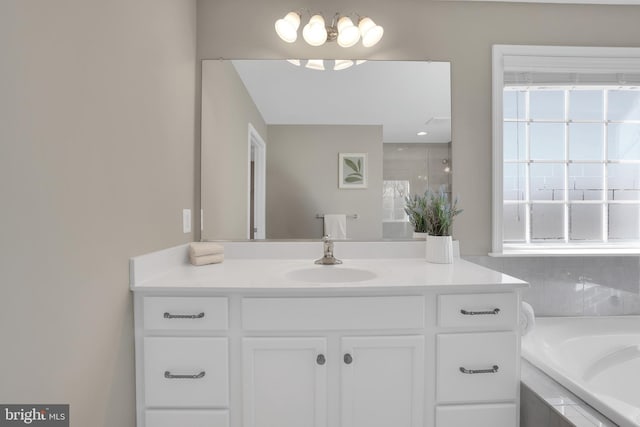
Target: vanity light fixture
[
  {"x": 323, "y": 64},
  {"x": 341, "y": 29},
  {"x": 315, "y": 64},
  {"x": 287, "y": 27}
]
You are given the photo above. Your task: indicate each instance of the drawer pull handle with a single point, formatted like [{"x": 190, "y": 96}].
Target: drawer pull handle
[
  {"x": 171, "y": 376},
  {"x": 321, "y": 360},
  {"x": 479, "y": 371},
  {"x": 183, "y": 316},
  {"x": 477, "y": 313}
]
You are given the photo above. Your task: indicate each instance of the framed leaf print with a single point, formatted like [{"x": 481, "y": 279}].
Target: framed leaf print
[{"x": 352, "y": 170}]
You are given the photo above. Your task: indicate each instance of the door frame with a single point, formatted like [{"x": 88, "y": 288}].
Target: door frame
[{"x": 258, "y": 147}]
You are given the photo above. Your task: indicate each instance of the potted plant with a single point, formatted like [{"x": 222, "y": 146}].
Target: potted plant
[
  {"x": 416, "y": 209},
  {"x": 440, "y": 212}
]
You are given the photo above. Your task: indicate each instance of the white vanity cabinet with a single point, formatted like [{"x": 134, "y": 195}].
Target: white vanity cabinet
[
  {"x": 284, "y": 382},
  {"x": 439, "y": 349},
  {"x": 477, "y": 360},
  {"x": 364, "y": 381}
]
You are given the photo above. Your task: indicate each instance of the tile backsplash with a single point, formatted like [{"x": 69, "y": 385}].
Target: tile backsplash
[{"x": 574, "y": 286}]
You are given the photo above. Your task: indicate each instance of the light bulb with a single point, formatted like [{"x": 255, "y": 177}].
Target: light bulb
[
  {"x": 371, "y": 33},
  {"x": 315, "y": 64},
  {"x": 287, "y": 27},
  {"x": 348, "y": 34},
  {"x": 315, "y": 32},
  {"x": 295, "y": 62},
  {"x": 342, "y": 64}
]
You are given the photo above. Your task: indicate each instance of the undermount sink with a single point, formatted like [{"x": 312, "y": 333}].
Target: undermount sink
[{"x": 330, "y": 274}]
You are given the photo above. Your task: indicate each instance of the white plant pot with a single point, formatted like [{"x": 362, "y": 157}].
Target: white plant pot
[
  {"x": 440, "y": 249},
  {"x": 419, "y": 236}
]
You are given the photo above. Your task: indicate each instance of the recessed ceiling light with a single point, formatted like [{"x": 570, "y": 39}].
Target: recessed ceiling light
[{"x": 422, "y": 133}]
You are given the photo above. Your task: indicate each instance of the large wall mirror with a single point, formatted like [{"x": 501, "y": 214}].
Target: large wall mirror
[{"x": 285, "y": 143}]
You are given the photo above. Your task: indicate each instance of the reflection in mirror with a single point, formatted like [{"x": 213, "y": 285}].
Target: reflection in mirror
[{"x": 272, "y": 135}]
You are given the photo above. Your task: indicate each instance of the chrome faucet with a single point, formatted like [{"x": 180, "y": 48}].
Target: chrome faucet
[{"x": 328, "y": 258}]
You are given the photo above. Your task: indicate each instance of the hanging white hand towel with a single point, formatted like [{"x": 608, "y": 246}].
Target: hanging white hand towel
[{"x": 335, "y": 226}]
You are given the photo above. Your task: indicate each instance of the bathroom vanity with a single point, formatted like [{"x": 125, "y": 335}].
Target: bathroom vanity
[{"x": 268, "y": 339}]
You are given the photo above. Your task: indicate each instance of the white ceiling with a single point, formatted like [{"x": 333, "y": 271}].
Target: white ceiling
[{"x": 405, "y": 97}]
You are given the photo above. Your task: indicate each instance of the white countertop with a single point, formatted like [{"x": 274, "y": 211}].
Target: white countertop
[{"x": 273, "y": 274}]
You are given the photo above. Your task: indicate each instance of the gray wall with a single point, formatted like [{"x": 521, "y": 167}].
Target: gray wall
[
  {"x": 460, "y": 32},
  {"x": 302, "y": 180},
  {"x": 96, "y": 164},
  {"x": 228, "y": 109}
]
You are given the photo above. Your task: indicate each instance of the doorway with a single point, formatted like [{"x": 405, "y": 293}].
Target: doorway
[{"x": 257, "y": 172}]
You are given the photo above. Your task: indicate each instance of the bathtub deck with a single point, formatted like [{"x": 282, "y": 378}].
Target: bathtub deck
[{"x": 550, "y": 400}]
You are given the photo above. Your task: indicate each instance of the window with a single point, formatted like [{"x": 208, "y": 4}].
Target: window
[
  {"x": 393, "y": 195},
  {"x": 567, "y": 153}
]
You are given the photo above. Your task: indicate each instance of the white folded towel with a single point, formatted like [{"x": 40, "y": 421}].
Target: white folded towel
[
  {"x": 205, "y": 248},
  {"x": 335, "y": 226},
  {"x": 527, "y": 319},
  {"x": 206, "y": 259}
]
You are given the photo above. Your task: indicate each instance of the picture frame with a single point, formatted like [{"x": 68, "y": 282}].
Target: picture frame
[{"x": 352, "y": 170}]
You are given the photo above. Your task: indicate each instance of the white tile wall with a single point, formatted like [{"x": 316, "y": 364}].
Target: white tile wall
[{"x": 574, "y": 286}]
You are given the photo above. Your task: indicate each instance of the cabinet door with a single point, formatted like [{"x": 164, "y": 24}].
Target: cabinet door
[
  {"x": 285, "y": 382},
  {"x": 498, "y": 415},
  {"x": 186, "y": 418},
  {"x": 382, "y": 381}
]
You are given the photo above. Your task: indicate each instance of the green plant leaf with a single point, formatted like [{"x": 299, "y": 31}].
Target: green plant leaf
[
  {"x": 350, "y": 163},
  {"x": 351, "y": 179}
]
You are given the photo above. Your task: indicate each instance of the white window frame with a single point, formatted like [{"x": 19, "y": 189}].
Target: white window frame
[{"x": 548, "y": 59}]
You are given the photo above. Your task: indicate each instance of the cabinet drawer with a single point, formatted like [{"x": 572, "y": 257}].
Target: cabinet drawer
[
  {"x": 478, "y": 310},
  {"x": 179, "y": 313},
  {"x": 186, "y": 418},
  {"x": 186, "y": 372},
  {"x": 503, "y": 415},
  {"x": 465, "y": 367},
  {"x": 406, "y": 312}
]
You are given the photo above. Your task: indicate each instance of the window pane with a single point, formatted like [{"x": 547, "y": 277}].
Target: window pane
[
  {"x": 547, "y": 141},
  {"x": 547, "y": 222},
  {"x": 514, "y": 181},
  {"x": 585, "y": 222},
  {"x": 393, "y": 200},
  {"x": 547, "y": 104},
  {"x": 514, "y": 104},
  {"x": 586, "y": 141},
  {"x": 624, "y": 105},
  {"x": 624, "y": 141},
  {"x": 624, "y": 182},
  {"x": 547, "y": 181},
  {"x": 513, "y": 223},
  {"x": 623, "y": 222},
  {"x": 585, "y": 105},
  {"x": 586, "y": 181},
  {"x": 514, "y": 141}
]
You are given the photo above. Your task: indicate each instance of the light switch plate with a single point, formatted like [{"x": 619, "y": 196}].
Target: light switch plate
[{"x": 186, "y": 220}]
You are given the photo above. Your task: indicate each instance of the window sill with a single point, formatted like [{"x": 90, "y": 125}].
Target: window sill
[{"x": 555, "y": 251}]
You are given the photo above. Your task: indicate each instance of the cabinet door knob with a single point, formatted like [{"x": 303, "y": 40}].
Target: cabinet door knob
[
  {"x": 348, "y": 359},
  {"x": 321, "y": 360}
]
